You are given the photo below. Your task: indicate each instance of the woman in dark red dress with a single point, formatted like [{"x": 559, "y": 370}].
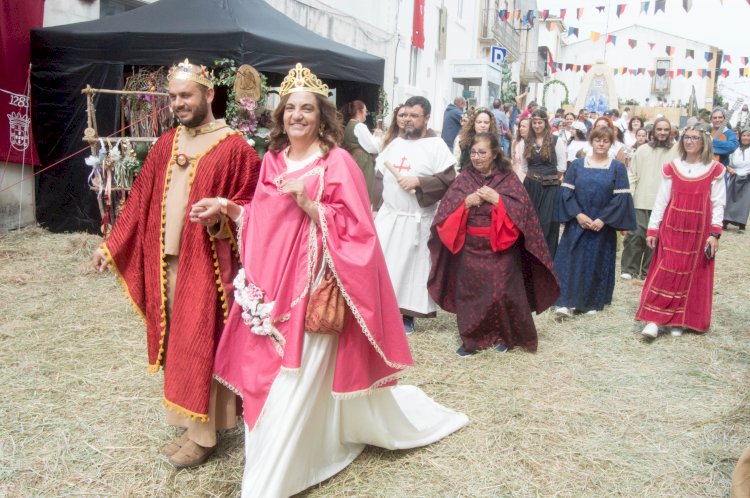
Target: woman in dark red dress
[{"x": 490, "y": 262}]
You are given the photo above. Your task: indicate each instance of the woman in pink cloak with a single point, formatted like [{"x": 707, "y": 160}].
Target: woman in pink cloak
[{"x": 312, "y": 402}]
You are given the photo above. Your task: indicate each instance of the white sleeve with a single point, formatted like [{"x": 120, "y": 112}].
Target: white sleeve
[
  {"x": 718, "y": 200},
  {"x": 365, "y": 138},
  {"x": 561, "y": 154},
  {"x": 662, "y": 199},
  {"x": 456, "y": 150}
]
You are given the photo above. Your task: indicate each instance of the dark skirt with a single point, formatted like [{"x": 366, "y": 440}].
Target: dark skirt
[
  {"x": 738, "y": 200},
  {"x": 491, "y": 303},
  {"x": 545, "y": 201}
]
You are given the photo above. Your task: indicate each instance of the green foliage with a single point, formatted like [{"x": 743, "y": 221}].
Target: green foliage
[{"x": 555, "y": 82}]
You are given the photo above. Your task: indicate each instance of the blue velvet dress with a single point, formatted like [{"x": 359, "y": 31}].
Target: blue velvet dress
[{"x": 585, "y": 259}]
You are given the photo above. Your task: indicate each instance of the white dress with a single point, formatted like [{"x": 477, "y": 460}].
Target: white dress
[
  {"x": 304, "y": 435},
  {"x": 403, "y": 226}
]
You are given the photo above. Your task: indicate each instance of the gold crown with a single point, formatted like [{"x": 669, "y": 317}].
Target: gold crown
[
  {"x": 300, "y": 79},
  {"x": 191, "y": 72}
]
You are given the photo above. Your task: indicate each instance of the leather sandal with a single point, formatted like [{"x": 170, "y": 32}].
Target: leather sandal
[
  {"x": 191, "y": 454},
  {"x": 175, "y": 445}
]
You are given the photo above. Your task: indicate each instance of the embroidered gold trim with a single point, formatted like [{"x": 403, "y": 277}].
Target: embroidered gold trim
[
  {"x": 656, "y": 309},
  {"x": 688, "y": 253},
  {"x": 683, "y": 230},
  {"x": 179, "y": 410},
  {"x": 121, "y": 280}
]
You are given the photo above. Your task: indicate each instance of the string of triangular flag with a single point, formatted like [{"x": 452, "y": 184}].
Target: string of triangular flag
[{"x": 624, "y": 71}]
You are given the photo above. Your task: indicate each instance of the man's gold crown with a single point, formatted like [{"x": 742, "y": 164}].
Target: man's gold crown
[
  {"x": 300, "y": 79},
  {"x": 191, "y": 72}
]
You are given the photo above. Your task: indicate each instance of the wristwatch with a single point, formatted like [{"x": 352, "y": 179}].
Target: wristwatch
[
  {"x": 223, "y": 203},
  {"x": 714, "y": 234}
]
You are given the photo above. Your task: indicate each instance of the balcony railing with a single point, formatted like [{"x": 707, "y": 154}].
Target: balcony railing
[
  {"x": 535, "y": 67},
  {"x": 493, "y": 31}
]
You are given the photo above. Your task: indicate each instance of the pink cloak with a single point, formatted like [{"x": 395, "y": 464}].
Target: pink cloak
[{"x": 282, "y": 251}]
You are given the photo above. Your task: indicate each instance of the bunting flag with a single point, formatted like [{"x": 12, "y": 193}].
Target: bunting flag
[
  {"x": 551, "y": 62},
  {"x": 600, "y": 8},
  {"x": 562, "y": 14},
  {"x": 680, "y": 72},
  {"x": 579, "y": 13},
  {"x": 745, "y": 71},
  {"x": 530, "y": 16},
  {"x": 545, "y": 14},
  {"x": 644, "y": 7},
  {"x": 689, "y": 52},
  {"x": 611, "y": 39},
  {"x": 687, "y": 5},
  {"x": 615, "y": 70},
  {"x": 568, "y": 67},
  {"x": 661, "y": 71},
  {"x": 620, "y": 9},
  {"x": 671, "y": 74},
  {"x": 708, "y": 56},
  {"x": 725, "y": 72},
  {"x": 573, "y": 31},
  {"x": 641, "y": 70},
  {"x": 587, "y": 67},
  {"x": 594, "y": 36},
  {"x": 659, "y": 6},
  {"x": 728, "y": 58},
  {"x": 688, "y": 74},
  {"x": 670, "y": 50},
  {"x": 503, "y": 14},
  {"x": 517, "y": 14},
  {"x": 577, "y": 68},
  {"x": 651, "y": 45},
  {"x": 650, "y": 72},
  {"x": 745, "y": 60},
  {"x": 633, "y": 43}
]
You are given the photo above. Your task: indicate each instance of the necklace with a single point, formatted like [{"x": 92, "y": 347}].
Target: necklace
[{"x": 212, "y": 126}]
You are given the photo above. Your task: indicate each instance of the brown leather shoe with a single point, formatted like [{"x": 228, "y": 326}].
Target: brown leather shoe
[
  {"x": 175, "y": 445},
  {"x": 191, "y": 455}
]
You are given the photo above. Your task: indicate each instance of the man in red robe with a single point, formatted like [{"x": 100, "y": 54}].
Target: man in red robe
[{"x": 185, "y": 311}]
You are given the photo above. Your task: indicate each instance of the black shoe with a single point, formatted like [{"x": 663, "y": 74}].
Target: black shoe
[
  {"x": 408, "y": 324},
  {"x": 463, "y": 353}
]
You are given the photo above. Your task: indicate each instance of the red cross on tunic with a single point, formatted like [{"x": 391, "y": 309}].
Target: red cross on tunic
[{"x": 401, "y": 168}]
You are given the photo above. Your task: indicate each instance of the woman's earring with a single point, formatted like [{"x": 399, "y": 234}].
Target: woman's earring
[{"x": 321, "y": 129}]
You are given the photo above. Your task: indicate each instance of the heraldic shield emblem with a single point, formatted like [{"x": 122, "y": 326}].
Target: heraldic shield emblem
[{"x": 19, "y": 131}]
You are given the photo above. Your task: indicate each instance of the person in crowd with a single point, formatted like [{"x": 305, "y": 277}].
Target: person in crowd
[
  {"x": 738, "y": 191},
  {"x": 529, "y": 110},
  {"x": 645, "y": 175},
  {"x": 741, "y": 119},
  {"x": 452, "y": 120},
  {"x": 724, "y": 140},
  {"x": 293, "y": 373},
  {"x": 617, "y": 148},
  {"x": 617, "y": 120},
  {"x": 583, "y": 118},
  {"x": 634, "y": 125},
  {"x": 595, "y": 203},
  {"x": 359, "y": 142},
  {"x": 480, "y": 121},
  {"x": 153, "y": 242},
  {"x": 490, "y": 262},
  {"x": 684, "y": 228},
  {"x": 544, "y": 160},
  {"x": 625, "y": 118},
  {"x": 396, "y": 129},
  {"x": 503, "y": 125},
  {"x": 641, "y": 138},
  {"x": 565, "y": 132},
  {"x": 522, "y": 132},
  {"x": 424, "y": 170},
  {"x": 578, "y": 145}
]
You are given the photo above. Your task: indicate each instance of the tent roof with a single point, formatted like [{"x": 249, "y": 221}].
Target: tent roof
[{"x": 247, "y": 31}]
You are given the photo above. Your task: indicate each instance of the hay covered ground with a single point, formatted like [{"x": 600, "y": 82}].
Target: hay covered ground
[{"x": 596, "y": 412}]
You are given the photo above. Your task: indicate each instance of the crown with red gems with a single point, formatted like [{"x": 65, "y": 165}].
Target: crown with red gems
[
  {"x": 301, "y": 79},
  {"x": 191, "y": 72}
]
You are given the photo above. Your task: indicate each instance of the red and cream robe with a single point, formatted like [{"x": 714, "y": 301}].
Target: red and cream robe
[{"x": 204, "y": 293}]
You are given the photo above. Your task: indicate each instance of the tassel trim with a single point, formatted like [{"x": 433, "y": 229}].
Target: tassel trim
[
  {"x": 121, "y": 280},
  {"x": 179, "y": 410},
  {"x": 219, "y": 284}
]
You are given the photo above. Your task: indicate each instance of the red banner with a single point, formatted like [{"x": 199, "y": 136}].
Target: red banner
[
  {"x": 417, "y": 35},
  {"x": 17, "y": 19}
]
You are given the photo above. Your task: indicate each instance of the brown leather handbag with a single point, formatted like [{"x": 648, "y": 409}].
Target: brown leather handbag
[{"x": 326, "y": 310}]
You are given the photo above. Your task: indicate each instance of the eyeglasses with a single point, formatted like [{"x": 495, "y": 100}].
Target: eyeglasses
[
  {"x": 691, "y": 138},
  {"x": 478, "y": 153}
]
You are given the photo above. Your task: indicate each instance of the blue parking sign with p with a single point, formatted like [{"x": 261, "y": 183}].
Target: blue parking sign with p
[{"x": 497, "y": 55}]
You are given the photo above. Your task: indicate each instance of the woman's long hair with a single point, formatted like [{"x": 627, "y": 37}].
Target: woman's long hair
[
  {"x": 466, "y": 135},
  {"x": 547, "y": 149},
  {"x": 393, "y": 131},
  {"x": 330, "y": 132},
  {"x": 350, "y": 109},
  {"x": 707, "y": 152}
]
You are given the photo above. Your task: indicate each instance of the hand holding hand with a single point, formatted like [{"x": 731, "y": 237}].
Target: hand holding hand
[
  {"x": 584, "y": 221},
  {"x": 489, "y": 195},
  {"x": 206, "y": 211},
  {"x": 473, "y": 200}
]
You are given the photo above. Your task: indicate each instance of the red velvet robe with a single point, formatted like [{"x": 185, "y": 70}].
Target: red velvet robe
[{"x": 207, "y": 265}]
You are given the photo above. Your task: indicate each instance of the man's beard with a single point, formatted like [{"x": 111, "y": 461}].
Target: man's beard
[
  {"x": 414, "y": 132},
  {"x": 199, "y": 115},
  {"x": 667, "y": 142}
]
